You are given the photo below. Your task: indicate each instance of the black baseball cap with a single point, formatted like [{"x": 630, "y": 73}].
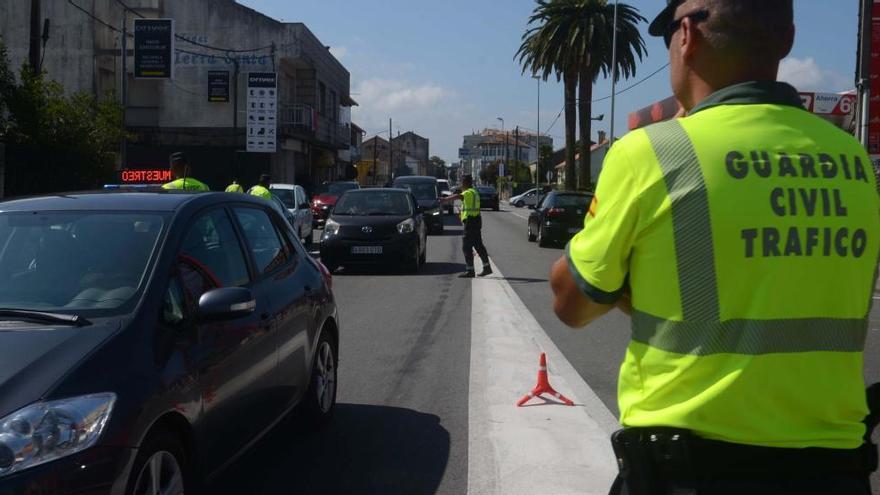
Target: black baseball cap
[
  {"x": 178, "y": 157},
  {"x": 664, "y": 19}
]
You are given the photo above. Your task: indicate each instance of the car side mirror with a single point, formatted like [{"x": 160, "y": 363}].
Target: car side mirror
[{"x": 226, "y": 303}]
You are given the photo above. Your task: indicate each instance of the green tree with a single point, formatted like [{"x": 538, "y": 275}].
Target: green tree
[
  {"x": 57, "y": 142},
  {"x": 545, "y": 162},
  {"x": 572, "y": 39},
  {"x": 438, "y": 166}
]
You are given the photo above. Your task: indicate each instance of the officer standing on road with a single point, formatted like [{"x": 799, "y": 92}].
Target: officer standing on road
[
  {"x": 235, "y": 187},
  {"x": 262, "y": 189},
  {"x": 473, "y": 225},
  {"x": 743, "y": 240},
  {"x": 180, "y": 169}
]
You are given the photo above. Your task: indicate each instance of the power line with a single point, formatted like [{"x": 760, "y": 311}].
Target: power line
[
  {"x": 183, "y": 38},
  {"x": 624, "y": 90},
  {"x": 95, "y": 18}
]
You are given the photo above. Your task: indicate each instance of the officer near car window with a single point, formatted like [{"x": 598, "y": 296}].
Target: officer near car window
[
  {"x": 180, "y": 169},
  {"x": 235, "y": 187},
  {"x": 743, "y": 240},
  {"x": 262, "y": 189},
  {"x": 473, "y": 225}
]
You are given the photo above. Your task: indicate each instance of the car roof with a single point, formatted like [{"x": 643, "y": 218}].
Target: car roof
[
  {"x": 366, "y": 190},
  {"x": 122, "y": 201},
  {"x": 415, "y": 178},
  {"x": 282, "y": 186}
]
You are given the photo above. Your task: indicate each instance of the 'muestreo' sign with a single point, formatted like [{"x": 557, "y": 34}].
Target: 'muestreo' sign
[{"x": 154, "y": 48}]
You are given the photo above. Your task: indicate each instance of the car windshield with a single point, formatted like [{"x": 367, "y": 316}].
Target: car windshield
[
  {"x": 74, "y": 261},
  {"x": 373, "y": 203},
  {"x": 571, "y": 200},
  {"x": 286, "y": 196},
  {"x": 421, "y": 190},
  {"x": 338, "y": 188},
  {"x": 486, "y": 189}
]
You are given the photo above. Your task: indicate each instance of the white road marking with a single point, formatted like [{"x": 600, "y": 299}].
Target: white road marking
[
  {"x": 517, "y": 214},
  {"x": 539, "y": 449}
]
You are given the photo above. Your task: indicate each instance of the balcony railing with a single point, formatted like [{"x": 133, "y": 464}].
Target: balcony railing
[
  {"x": 304, "y": 119},
  {"x": 300, "y": 116}
]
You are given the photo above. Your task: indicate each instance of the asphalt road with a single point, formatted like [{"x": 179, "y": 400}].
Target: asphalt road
[{"x": 401, "y": 424}]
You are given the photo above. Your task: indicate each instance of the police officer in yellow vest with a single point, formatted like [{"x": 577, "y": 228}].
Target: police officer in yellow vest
[
  {"x": 235, "y": 187},
  {"x": 180, "y": 168},
  {"x": 262, "y": 189},
  {"x": 473, "y": 225},
  {"x": 743, "y": 240}
]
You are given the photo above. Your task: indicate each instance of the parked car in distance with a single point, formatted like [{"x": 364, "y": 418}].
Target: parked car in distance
[
  {"x": 323, "y": 202},
  {"x": 375, "y": 226},
  {"x": 558, "y": 217},
  {"x": 427, "y": 196},
  {"x": 528, "y": 198},
  {"x": 296, "y": 202},
  {"x": 443, "y": 186},
  {"x": 489, "y": 197},
  {"x": 141, "y": 350}
]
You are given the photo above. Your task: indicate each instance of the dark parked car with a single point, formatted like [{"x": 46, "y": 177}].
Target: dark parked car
[
  {"x": 427, "y": 195},
  {"x": 148, "y": 339},
  {"x": 558, "y": 217},
  {"x": 489, "y": 197},
  {"x": 323, "y": 202},
  {"x": 375, "y": 226}
]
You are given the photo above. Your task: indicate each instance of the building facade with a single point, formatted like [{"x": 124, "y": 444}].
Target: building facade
[
  {"x": 493, "y": 145},
  {"x": 412, "y": 154},
  {"x": 314, "y": 133}
]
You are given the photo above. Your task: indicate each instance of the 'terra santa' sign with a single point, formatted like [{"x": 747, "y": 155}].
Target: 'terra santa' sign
[
  {"x": 262, "y": 99},
  {"x": 153, "y": 48}
]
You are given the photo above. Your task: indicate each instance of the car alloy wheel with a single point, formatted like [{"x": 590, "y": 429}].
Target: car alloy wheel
[
  {"x": 160, "y": 475},
  {"x": 325, "y": 377},
  {"x": 519, "y": 204}
]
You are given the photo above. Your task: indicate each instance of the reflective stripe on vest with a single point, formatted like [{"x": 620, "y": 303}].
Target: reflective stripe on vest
[{"x": 702, "y": 332}]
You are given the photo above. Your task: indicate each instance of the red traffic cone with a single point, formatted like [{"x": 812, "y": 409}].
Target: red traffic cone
[{"x": 543, "y": 386}]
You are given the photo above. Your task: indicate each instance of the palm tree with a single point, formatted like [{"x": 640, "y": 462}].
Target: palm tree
[{"x": 573, "y": 40}]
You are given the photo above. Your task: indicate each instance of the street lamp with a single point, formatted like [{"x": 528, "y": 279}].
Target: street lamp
[{"x": 599, "y": 118}]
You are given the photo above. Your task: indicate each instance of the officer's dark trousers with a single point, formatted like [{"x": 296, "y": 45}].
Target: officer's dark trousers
[
  {"x": 818, "y": 484},
  {"x": 473, "y": 239}
]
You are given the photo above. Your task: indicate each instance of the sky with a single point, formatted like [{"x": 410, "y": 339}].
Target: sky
[{"x": 446, "y": 68}]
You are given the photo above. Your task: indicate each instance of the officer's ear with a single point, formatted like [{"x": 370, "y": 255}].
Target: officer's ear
[{"x": 690, "y": 40}]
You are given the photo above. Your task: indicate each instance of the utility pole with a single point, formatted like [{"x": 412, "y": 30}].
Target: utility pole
[
  {"x": 373, "y": 167},
  {"x": 390, "y": 150},
  {"x": 235, "y": 119},
  {"x": 123, "y": 152},
  {"x": 34, "y": 47},
  {"x": 538, "y": 142},
  {"x": 516, "y": 154},
  {"x": 863, "y": 80},
  {"x": 506, "y": 154}
]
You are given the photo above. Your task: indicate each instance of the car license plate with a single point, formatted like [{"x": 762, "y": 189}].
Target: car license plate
[
  {"x": 366, "y": 250},
  {"x": 574, "y": 230}
]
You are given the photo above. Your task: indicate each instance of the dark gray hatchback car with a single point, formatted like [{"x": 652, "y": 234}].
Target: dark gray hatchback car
[{"x": 148, "y": 339}]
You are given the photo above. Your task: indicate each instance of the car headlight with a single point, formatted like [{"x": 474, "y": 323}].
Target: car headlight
[
  {"x": 407, "y": 226},
  {"x": 331, "y": 228},
  {"x": 47, "y": 431},
  {"x": 435, "y": 212}
]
